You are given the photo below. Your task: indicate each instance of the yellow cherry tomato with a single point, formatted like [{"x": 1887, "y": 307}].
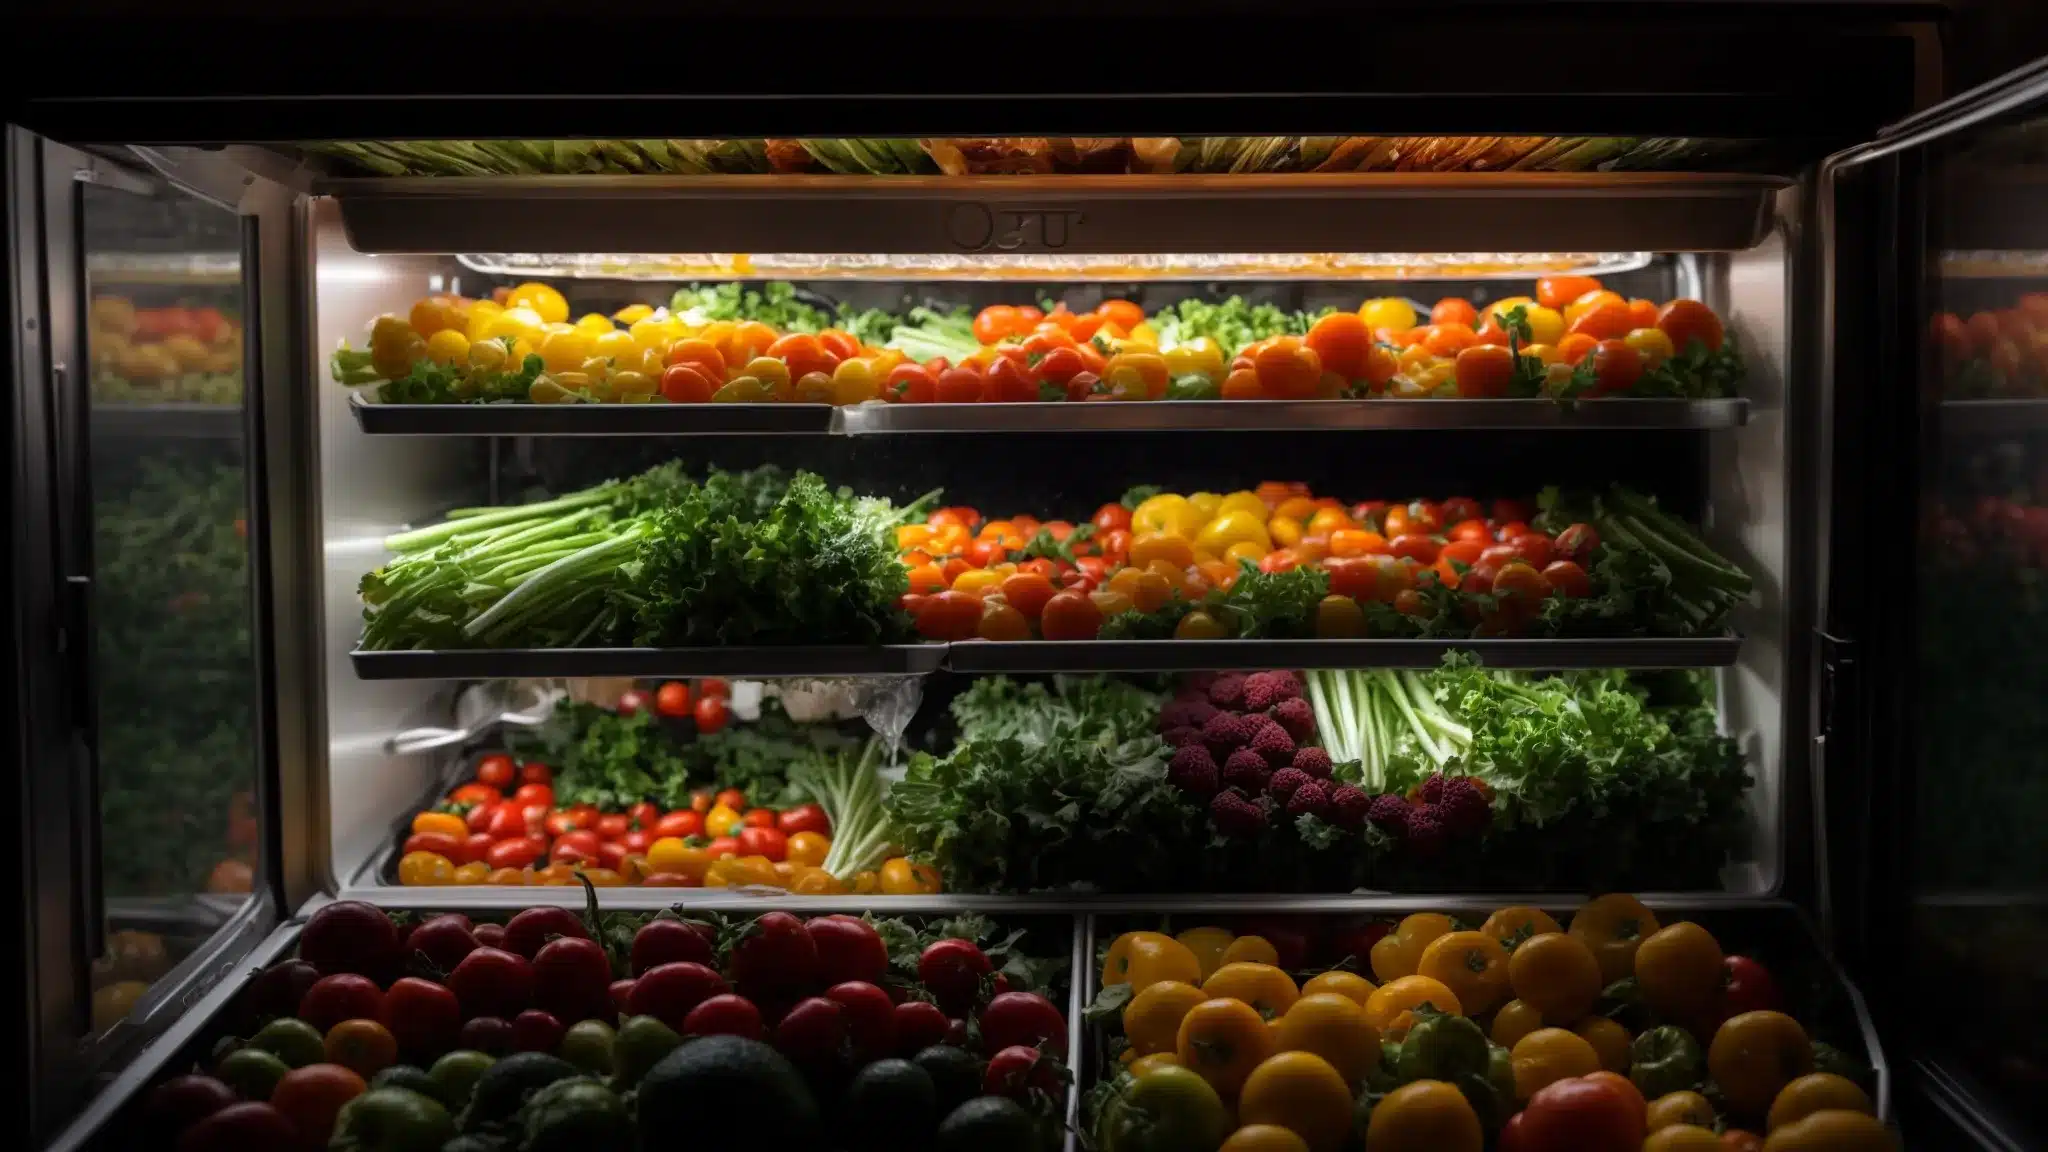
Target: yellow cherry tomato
[
  {"x": 900, "y": 877},
  {"x": 632, "y": 312},
  {"x": 1247, "y": 502},
  {"x": 854, "y": 381},
  {"x": 1754, "y": 1056},
  {"x": 809, "y": 848},
  {"x": 543, "y": 299},
  {"x": 1263, "y": 986},
  {"x": 1546, "y": 326},
  {"x": 721, "y": 821},
  {"x": 1816, "y": 1092},
  {"x": 1425, "y": 1115},
  {"x": 1199, "y": 625},
  {"x": 436, "y": 314},
  {"x": 1389, "y": 312},
  {"x": 1167, "y": 512},
  {"x": 1609, "y": 1040},
  {"x": 1613, "y": 926},
  {"x": 672, "y": 855},
  {"x": 474, "y": 872},
  {"x": 1651, "y": 344},
  {"x": 1200, "y": 355},
  {"x": 1334, "y": 1027},
  {"x": 594, "y": 324},
  {"x": 1263, "y": 1138},
  {"x": 1513, "y": 925},
  {"x": 1222, "y": 1040},
  {"x": 866, "y": 882},
  {"x": 1399, "y": 952},
  {"x": 1233, "y": 526},
  {"x": 1142, "y": 959},
  {"x": 1679, "y": 1108},
  {"x": 1548, "y": 1055},
  {"x": 1516, "y": 1019},
  {"x": 1557, "y": 975},
  {"x": 1833, "y": 1130},
  {"x": 1471, "y": 964},
  {"x": 1209, "y": 946},
  {"x": 1303, "y": 1092},
  {"x": 1251, "y": 950},
  {"x": 425, "y": 868},
  {"x": 1349, "y": 985},
  {"x": 1152, "y": 1018},
  {"x": 448, "y": 346},
  {"x": 482, "y": 314},
  {"x": 1143, "y": 1066},
  {"x": 817, "y": 882},
  {"x": 565, "y": 351},
  {"x": 617, "y": 347},
  {"x": 1391, "y": 1008},
  {"x": 446, "y": 823},
  {"x": 1683, "y": 1138}
]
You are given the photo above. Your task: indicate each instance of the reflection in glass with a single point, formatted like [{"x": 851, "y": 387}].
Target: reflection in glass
[{"x": 174, "y": 662}]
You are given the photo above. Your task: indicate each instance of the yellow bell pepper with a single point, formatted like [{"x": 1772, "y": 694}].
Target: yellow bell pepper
[
  {"x": 1235, "y": 526},
  {"x": 594, "y": 324},
  {"x": 1167, "y": 512},
  {"x": 1245, "y": 502},
  {"x": 1198, "y": 355},
  {"x": 744, "y": 390},
  {"x": 632, "y": 313}
]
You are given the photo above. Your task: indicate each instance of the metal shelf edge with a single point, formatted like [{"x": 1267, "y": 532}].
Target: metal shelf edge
[
  {"x": 167, "y": 421},
  {"x": 1043, "y": 656},
  {"x": 485, "y": 664},
  {"x": 879, "y": 419},
  {"x": 1993, "y": 417},
  {"x": 592, "y": 419}
]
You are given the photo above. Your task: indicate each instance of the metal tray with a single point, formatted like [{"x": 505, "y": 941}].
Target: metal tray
[
  {"x": 591, "y": 419},
  {"x": 761, "y": 662},
  {"x": 1237, "y": 655},
  {"x": 1788, "y": 932}
]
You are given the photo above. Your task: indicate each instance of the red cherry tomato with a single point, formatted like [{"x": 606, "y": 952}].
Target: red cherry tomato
[
  {"x": 759, "y": 818},
  {"x": 682, "y": 824},
  {"x": 760, "y": 841},
  {"x": 673, "y": 699},
  {"x": 497, "y": 770},
  {"x": 712, "y": 714}
]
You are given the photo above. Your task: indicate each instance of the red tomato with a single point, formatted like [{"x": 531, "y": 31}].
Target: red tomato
[
  {"x": 995, "y": 322},
  {"x": 1414, "y": 546},
  {"x": 870, "y": 1017},
  {"x": 1061, "y": 365},
  {"x": 713, "y": 686},
  {"x": 712, "y": 714},
  {"x": 631, "y": 703},
  {"x": 476, "y": 847},
  {"x": 682, "y": 824},
  {"x": 1068, "y": 616},
  {"x": 478, "y": 819},
  {"x": 1508, "y": 511},
  {"x": 949, "y": 616},
  {"x": 1028, "y": 592},
  {"x": 1616, "y": 367},
  {"x": 804, "y": 818},
  {"x": 687, "y": 384},
  {"x": 1583, "y": 1115},
  {"x": 959, "y": 386},
  {"x": 1576, "y": 543},
  {"x": 643, "y": 815},
  {"x": 1748, "y": 987},
  {"x": 1010, "y": 382},
  {"x": 724, "y": 1015},
  {"x": 911, "y": 384},
  {"x": 1499, "y": 554},
  {"x": 919, "y": 1025},
  {"x": 507, "y": 820},
  {"x": 1568, "y": 579},
  {"x": 668, "y": 941},
  {"x": 423, "y": 1016},
  {"x": 1454, "y": 310},
  {"x": 673, "y": 699},
  {"x": 439, "y": 843},
  {"x": 732, "y": 798},
  {"x": 1025, "y": 1018},
  {"x": 983, "y": 553},
  {"x": 1471, "y": 529},
  {"x": 1533, "y": 546},
  {"x": 723, "y": 846},
  {"x": 475, "y": 794},
  {"x": 638, "y": 841},
  {"x": 758, "y": 818},
  {"x": 562, "y": 823},
  {"x": 1459, "y": 508},
  {"x": 1511, "y": 528},
  {"x": 613, "y": 826},
  {"x": 534, "y": 794},
  {"x": 575, "y": 848},
  {"x": 497, "y": 770}
]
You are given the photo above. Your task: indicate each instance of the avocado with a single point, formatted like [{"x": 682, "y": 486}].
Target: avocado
[
  {"x": 890, "y": 1104},
  {"x": 505, "y": 1085},
  {"x": 955, "y": 1074},
  {"x": 727, "y": 1091},
  {"x": 575, "y": 1114},
  {"x": 989, "y": 1124}
]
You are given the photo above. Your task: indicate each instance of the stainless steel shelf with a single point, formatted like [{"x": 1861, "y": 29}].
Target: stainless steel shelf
[
  {"x": 1299, "y": 212},
  {"x": 592, "y": 419},
  {"x": 167, "y": 421},
  {"x": 1993, "y": 417},
  {"x": 878, "y": 419},
  {"x": 1043, "y": 656},
  {"x": 487, "y": 664},
  {"x": 1291, "y": 416},
  {"x": 1228, "y": 655}
]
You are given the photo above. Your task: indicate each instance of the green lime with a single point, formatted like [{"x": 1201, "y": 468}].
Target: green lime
[
  {"x": 252, "y": 1072},
  {"x": 641, "y": 1043},
  {"x": 294, "y": 1041},
  {"x": 588, "y": 1045},
  {"x": 455, "y": 1076}
]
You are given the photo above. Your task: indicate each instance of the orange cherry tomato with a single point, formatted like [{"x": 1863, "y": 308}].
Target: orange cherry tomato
[
  {"x": 1559, "y": 291},
  {"x": 1616, "y": 366},
  {"x": 910, "y": 384},
  {"x": 804, "y": 354},
  {"x": 1575, "y": 347},
  {"x": 958, "y": 386},
  {"x": 1606, "y": 321},
  {"x": 1121, "y": 313},
  {"x": 1343, "y": 342},
  {"x": 1380, "y": 366},
  {"x": 1484, "y": 371},
  {"x": 1289, "y": 369},
  {"x": 1070, "y": 616},
  {"x": 1450, "y": 338},
  {"x": 1454, "y": 310},
  {"x": 686, "y": 384},
  {"x": 1243, "y": 384},
  {"x": 1028, "y": 593},
  {"x": 1642, "y": 313},
  {"x": 1688, "y": 320}
]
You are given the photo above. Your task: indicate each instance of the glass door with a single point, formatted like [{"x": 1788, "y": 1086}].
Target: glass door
[
  {"x": 153, "y": 775},
  {"x": 1936, "y": 619}
]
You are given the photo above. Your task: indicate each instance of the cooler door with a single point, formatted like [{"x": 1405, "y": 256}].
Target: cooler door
[
  {"x": 1930, "y": 764},
  {"x": 141, "y": 654}
]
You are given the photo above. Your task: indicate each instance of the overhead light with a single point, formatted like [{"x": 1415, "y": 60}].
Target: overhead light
[{"x": 1201, "y": 266}]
